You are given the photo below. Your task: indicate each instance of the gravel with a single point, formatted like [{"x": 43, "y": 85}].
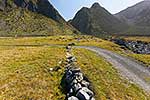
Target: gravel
[{"x": 127, "y": 67}]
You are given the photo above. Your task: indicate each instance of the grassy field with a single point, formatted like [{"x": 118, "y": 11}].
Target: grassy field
[
  {"x": 62, "y": 40},
  {"x": 78, "y": 40},
  {"x": 25, "y": 75},
  {"x": 145, "y": 39}
]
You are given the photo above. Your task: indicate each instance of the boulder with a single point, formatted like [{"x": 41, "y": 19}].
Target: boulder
[
  {"x": 82, "y": 95},
  {"x": 138, "y": 47},
  {"x": 73, "y": 98}
]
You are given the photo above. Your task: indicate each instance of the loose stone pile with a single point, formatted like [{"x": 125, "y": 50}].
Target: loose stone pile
[
  {"x": 77, "y": 85},
  {"x": 138, "y": 47}
]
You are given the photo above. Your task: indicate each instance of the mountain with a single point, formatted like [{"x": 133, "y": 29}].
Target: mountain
[
  {"x": 31, "y": 17},
  {"x": 138, "y": 17},
  {"x": 97, "y": 20},
  {"x": 138, "y": 14}
]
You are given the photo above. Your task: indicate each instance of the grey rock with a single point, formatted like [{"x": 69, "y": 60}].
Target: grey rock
[
  {"x": 2, "y": 5},
  {"x": 138, "y": 47},
  {"x": 73, "y": 98},
  {"x": 85, "y": 83},
  {"x": 77, "y": 87},
  {"x": 82, "y": 95},
  {"x": 43, "y": 7},
  {"x": 88, "y": 91},
  {"x": 79, "y": 77}
]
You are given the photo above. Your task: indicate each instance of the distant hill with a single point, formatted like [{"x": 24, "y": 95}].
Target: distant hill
[
  {"x": 31, "y": 17},
  {"x": 138, "y": 16},
  {"x": 96, "y": 21}
]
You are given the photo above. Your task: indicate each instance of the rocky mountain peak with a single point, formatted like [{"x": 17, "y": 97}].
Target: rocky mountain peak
[
  {"x": 96, "y": 20},
  {"x": 96, "y": 5}
]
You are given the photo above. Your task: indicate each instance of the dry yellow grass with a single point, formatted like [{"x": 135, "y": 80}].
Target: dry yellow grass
[
  {"x": 140, "y": 57},
  {"x": 62, "y": 40},
  {"x": 139, "y": 38},
  {"x": 78, "y": 40},
  {"x": 24, "y": 75}
]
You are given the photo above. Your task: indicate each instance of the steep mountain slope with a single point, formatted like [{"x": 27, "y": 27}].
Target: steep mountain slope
[
  {"x": 138, "y": 17},
  {"x": 97, "y": 20},
  {"x": 138, "y": 14},
  {"x": 31, "y": 17}
]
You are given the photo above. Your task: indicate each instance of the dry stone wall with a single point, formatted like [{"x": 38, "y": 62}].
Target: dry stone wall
[{"x": 77, "y": 86}]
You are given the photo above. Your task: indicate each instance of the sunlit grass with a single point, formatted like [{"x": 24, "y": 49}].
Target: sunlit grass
[
  {"x": 78, "y": 40},
  {"x": 142, "y": 58},
  {"x": 139, "y": 38},
  {"x": 24, "y": 75},
  {"x": 105, "y": 79}
]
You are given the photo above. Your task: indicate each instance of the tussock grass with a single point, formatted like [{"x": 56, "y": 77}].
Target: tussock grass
[
  {"x": 23, "y": 22},
  {"x": 141, "y": 38},
  {"x": 64, "y": 40},
  {"x": 24, "y": 75},
  {"x": 78, "y": 40},
  {"x": 106, "y": 80}
]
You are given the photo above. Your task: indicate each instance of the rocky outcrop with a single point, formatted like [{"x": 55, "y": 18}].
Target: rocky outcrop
[
  {"x": 43, "y": 7},
  {"x": 31, "y": 18},
  {"x": 138, "y": 47}
]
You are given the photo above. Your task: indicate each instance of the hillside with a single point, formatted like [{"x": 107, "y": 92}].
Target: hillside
[
  {"x": 34, "y": 17},
  {"x": 97, "y": 20},
  {"x": 138, "y": 16},
  {"x": 25, "y": 71}
]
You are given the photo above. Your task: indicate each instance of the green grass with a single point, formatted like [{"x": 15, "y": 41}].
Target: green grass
[
  {"x": 144, "y": 58},
  {"x": 138, "y": 38},
  {"x": 106, "y": 80},
  {"x": 78, "y": 40},
  {"x": 23, "y": 22},
  {"x": 24, "y": 75}
]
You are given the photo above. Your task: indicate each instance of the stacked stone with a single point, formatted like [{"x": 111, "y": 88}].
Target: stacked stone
[
  {"x": 77, "y": 86},
  {"x": 138, "y": 47}
]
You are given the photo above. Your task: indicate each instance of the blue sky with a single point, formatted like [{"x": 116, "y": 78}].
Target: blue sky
[{"x": 68, "y": 8}]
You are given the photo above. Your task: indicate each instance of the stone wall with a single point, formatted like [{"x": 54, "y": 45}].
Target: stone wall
[
  {"x": 76, "y": 84},
  {"x": 138, "y": 47}
]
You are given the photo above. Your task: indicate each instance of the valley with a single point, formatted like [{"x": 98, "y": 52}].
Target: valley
[
  {"x": 30, "y": 65},
  {"x": 112, "y": 51}
]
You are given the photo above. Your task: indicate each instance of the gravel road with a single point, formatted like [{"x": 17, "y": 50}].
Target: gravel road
[{"x": 128, "y": 68}]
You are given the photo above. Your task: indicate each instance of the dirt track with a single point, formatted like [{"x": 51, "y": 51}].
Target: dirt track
[{"x": 128, "y": 68}]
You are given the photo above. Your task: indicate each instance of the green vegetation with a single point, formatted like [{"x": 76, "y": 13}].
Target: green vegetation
[
  {"x": 23, "y": 22},
  {"x": 105, "y": 79},
  {"x": 138, "y": 38},
  {"x": 97, "y": 21},
  {"x": 78, "y": 40},
  {"x": 140, "y": 57},
  {"x": 145, "y": 59},
  {"x": 62, "y": 40},
  {"x": 24, "y": 75}
]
